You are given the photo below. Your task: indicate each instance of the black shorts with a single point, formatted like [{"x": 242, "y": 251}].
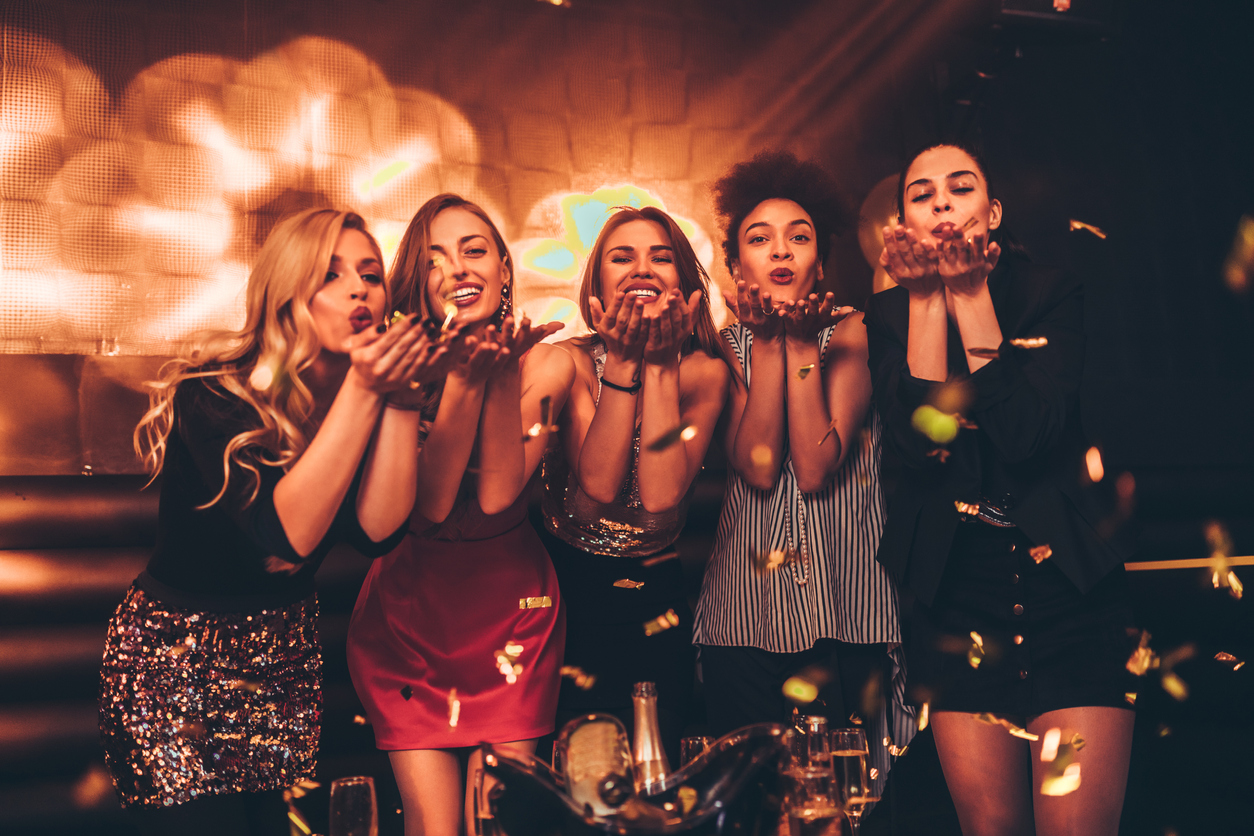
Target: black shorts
[{"x": 1045, "y": 646}]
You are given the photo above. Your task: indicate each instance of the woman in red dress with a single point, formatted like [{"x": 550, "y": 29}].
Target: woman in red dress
[{"x": 457, "y": 635}]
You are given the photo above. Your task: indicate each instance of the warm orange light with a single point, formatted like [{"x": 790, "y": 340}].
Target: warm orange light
[{"x": 1093, "y": 461}]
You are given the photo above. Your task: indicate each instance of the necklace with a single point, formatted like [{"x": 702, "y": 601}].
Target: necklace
[{"x": 803, "y": 554}]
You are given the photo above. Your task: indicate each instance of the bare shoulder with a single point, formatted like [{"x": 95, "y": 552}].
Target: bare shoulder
[{"x": 550, "y": 361}]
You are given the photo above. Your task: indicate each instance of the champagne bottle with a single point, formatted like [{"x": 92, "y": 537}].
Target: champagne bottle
[
  {"x": 596, "y": 763},
  {"x": 650, "y": 757}
]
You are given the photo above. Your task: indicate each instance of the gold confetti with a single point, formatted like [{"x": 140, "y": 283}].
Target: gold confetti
[
  {"x": 262, "y": 378},
  {"x": 1238, "y": 269},
  {"x": 1228, "y": 658},
  {"x": 1064, "y": 783},
  {"x": 397, "y": 316},
  {"x": 975, "y": 655},
  {"x": 761, "y": 455},
  {"x": 684, "y": 432},
  {"x": 1015, "y": 731},
  {"x": 873, "y": 773},
  {"x": 1041, "y": 553},
  {"x": 627, "y": 583},
  {"x": 542, "y": 426},
  {"x": 1130, "y": 697},
  {"x": 583, "y": 681},
  {"x": 804, "y": 371},
  {"x": 687, "y": 797},
  {"x": 1093, "y": 462},
  {"x": 665, "y": 621},
  {"x": 454, "y": 709},
  {"x": 1143, "y": 658},
  {"x": 535, "y": 602},
  {"x": 360, "y": 720},
  {"x": 660, "y": 557},
  {"x": 895, "y": 750},
  {"x": 1175, "y": 686},
  {"x": 831, "y": 428},
  {"x": 986, "y": 353},
  {"x": 970, "y": 224},
  {"x": 768, "y": 561},
  {"x": 1078, "y": 225},
  {"x": 971, "y": 509},
  {"x": 938, "y": 426},
  {"x": 923, "y": 715},
  {"x": 800, "y": 690},
  {"x": 298, "y": 821},
  {"x": 1163, "y": 730},
  {"x": 939, "y": 453},
  {"x": 507, "y": 662},
  {"x": 1030, "y": 342}
]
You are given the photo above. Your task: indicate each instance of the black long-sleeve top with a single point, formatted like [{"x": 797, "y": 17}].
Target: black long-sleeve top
[
  {"x": 214, "y": 559},
  {"x": 1027, "y": 453}
]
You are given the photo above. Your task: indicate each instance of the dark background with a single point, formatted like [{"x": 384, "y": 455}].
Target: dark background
[{"x": 1134, "y": 117}]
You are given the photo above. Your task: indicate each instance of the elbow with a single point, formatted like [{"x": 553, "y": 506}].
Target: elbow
[
  {"x": 659, "y": 504},
  {"x": 813, "y": 483},
  {"x": 435, "y": 512},
  {"x": 599, "y": 493},
  {"x": 759, "y": 479},
  {"x": 495, "y": 505}
]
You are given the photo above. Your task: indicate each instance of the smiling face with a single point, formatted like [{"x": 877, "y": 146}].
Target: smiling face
[
  {"x": 466, "y": 268},
  {"x": 638, "y": 258},
  {"x": 352, "y": 298},
  {"x": 944, "y": 185},
  {"x": 778, "y": 250}
]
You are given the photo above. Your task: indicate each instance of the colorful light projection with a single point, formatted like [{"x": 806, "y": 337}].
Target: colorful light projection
[{"x": 127, "y": 224}]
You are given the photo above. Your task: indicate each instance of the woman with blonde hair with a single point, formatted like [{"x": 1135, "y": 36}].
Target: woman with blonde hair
[
  {"x": 457, "y": 635},
  {"x": 274, "y": 442},
  {"x": 648, "y": 388}
]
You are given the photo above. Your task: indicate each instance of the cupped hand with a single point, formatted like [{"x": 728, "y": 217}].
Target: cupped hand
[
  {"x": 621, "y": 326},
  {"x": 481, "y": 357},
  {"x": 522, "y": 337},
  {"x": 387, "y": 360},
  {"x": 669, "y": 327},
  {"x": 964, "y": 264},
  {"x": 806, "y": 318},
  {"x": 756, "y": 311},
  {"x": 911, "y": 263}
]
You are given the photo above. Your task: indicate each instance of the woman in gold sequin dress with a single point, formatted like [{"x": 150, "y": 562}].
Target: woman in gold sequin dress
[
  {"x": 457, "y": 635},
  {"x": 274, "y": 442},
  {"x": 616, "y": 491}
]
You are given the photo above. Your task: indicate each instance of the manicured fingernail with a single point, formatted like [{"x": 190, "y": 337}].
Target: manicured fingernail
[{"x": 381, "y": 327}]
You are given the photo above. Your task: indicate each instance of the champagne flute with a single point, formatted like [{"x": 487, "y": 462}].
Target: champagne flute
[
  {"x": 691, "y": 748},
  {"x": 849, "y": 754},
  {"x": 810, "y": 746},
  {"x": 353, "y": 808}
]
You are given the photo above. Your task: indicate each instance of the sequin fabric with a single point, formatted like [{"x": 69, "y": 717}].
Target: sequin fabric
[{"x": 196, "y": 704}]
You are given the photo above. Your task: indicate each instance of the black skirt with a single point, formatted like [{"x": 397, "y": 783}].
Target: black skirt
[{"x": 1041, "y": 645}]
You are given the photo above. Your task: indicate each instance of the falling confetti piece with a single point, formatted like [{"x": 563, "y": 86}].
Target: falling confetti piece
[
  {"x": 940, "y": 453},
  {"x": 801, "y": 691},
  {"x": 299, "y": 822},
  {"x": 262, "y": 378},
  {"x": 1130, "y": 697},
  {"x": 1175, "y": 686},
  {"x": 661, "y": 557},
  {"x": 687, "y": 797},
  {"x": 1063, "y": 784},
  {"x": 1238, "y": 269},
  {"x": 1163, "y": 730},
  {"x": 535, "y": 603},
  {"x": 1235, "y": 588},
  {"x": 583, "y": 681},
  {"x": 938, "y": 426},
  {"x": 804, "y": 371},
  {"x": 1078, "y": 225},
  {"x": 684, "y": 432},
  {"x": 923, "y": 715},
  {"x": 1041, "y": 553},
  {"x": 768, "y": 561},
  {"x": 873, "y": 773},
  {"x": 1049, "y": 744},
  {"x": 895, "y": 750},
  {"x": 831, "y": 428},
  {"x": 1030, "y": 342},
  {"x": 1015, "y": 731},
  {"x": 761, "y": 455},
  {"x": 975, "y": 655},
  {"x": 407, "y": 692},
  {"x": 1093, "y": 462},
  {"x": 397, "y": 316},
  {"x": 970, "y": 224},
  {"x": 360, "y": 720},
  {"x": 1143, "y": 658},
  {"x": 855, "y": 719},
  {"x": 627, "y": 583},
  {"x": 665, "y": 621},
  {"x": 1228, "y": 658},
  {"x": 986, "y": 353},
  {"x": 971, "y": 509},
  {"x": 542, "y": 426},
  {"x": 454, "y": 708}
]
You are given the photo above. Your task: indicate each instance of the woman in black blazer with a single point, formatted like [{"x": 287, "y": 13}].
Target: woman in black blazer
[{"x": 1021, "y": 610}]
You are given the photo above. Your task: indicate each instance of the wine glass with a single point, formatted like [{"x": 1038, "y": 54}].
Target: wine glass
[
  {"x": 849, "y": 754},
  {"x": 810, "y": 744},
  {"x": 353, "y": 808}
]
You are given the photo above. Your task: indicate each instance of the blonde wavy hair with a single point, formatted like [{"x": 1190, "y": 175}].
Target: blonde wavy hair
[{"x": 260, "y": 364}]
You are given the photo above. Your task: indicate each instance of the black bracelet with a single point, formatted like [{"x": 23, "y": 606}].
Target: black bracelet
[{"x": 630, "y": 390}]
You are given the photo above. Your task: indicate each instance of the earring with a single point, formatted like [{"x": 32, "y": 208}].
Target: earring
[{"x": 506, "y": 307}]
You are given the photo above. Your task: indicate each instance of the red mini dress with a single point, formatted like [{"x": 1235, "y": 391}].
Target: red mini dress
[{"x": 435, "y": 613}]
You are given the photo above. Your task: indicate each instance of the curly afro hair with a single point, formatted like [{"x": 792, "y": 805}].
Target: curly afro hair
[{"x": 779, "y": 174}]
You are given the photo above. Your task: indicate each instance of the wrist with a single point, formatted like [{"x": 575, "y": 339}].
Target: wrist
[{"x": 621, "y": 369}]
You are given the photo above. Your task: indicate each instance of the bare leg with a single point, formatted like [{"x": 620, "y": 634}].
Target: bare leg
[
  {"x": 472, "y": 779},
  {"x": 430, "y": 785},
  {"x": 1094, "y": 808},
  {"x": 988, "y": 775}
]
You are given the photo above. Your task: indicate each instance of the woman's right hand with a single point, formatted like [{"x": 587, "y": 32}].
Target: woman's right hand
[
  {"x": 387, "y": 361},
  {"x": 756, "y": 311},
  {"x": 620, "y": 327},
  {"x": 911, "y": 263}
]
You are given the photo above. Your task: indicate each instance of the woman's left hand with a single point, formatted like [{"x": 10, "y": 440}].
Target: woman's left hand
[
  {"x": 669, "y": 327},
  {"x": 805, "y": 319},
  {"x": 964, "y": 264},
  {"x": 518, "y": 339},
  {"x": 387, "y": 361}
]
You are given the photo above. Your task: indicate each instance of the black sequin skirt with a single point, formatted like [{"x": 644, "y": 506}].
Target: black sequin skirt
[
  {"x": 194, "y": 704},
  {"x": 1043, "y": 646}
]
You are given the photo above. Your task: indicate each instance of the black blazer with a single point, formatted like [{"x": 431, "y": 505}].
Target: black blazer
[{"x": 1027, "y": 453}]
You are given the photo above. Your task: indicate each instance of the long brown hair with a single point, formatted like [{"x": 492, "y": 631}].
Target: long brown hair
[
  {"x": 692, "y": 277},
  {"x": 278, "y": 338}
]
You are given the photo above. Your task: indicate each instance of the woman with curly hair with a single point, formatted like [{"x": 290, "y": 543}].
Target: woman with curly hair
[
  {"x": 792, "y": 582},
  {"x": 274, "y": 442},
  {"x": 456, "y": 638},
  {"x": 616, "y": 492},
  {"x": 995, "y": 530}
]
